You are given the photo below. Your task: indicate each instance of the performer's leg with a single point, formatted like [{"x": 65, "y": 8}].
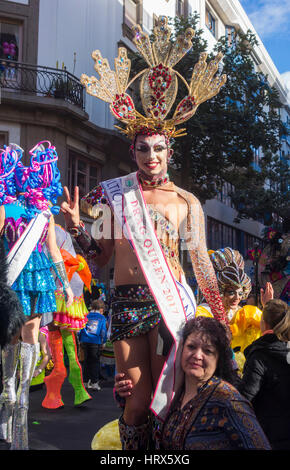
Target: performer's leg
[
  {"x": 10, "y": 356},
  {"x": 75, "y": 369},
  {"x": 157, "y": 361},
  {"x": 98, "y": 364},
  {"x": 55, "y": 379},
  {"x": 29, "y": 355},
  {"x": 133, "y": 359}
]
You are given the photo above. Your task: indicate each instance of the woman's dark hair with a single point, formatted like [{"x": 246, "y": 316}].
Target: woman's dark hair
[{"x": 216, "y": 333}]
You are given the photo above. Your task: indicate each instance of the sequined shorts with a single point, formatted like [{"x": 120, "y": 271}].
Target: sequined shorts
[{"x": 134, "y": 312}]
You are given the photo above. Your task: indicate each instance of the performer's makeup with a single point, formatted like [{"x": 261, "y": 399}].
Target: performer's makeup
[
  {"x": 232, "y": 297},
  {"x": 151, "y": 153}
]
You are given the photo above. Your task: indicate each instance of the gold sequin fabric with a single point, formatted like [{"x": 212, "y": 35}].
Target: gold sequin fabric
[{"x": 169, "y": 239}]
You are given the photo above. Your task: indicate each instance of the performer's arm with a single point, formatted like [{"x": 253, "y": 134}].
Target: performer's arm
[
  {"x": 97, "y": 251},
  {"x": 2, "y": 218},
  {"x": 203, "y": 268},
  {"x": 58, "y": 261},
  {"x": 46, "y": 356}
]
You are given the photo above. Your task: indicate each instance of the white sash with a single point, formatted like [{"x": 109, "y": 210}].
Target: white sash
[
  {"x": 22, "y": 249},
  {"x": 175, "y": 303}
]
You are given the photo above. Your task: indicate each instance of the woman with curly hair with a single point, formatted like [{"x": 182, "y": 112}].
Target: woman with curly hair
[{"x": 208, "y": 412}]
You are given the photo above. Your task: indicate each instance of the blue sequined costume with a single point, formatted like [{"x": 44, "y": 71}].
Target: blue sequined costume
[{"x": 35, "y": 285}]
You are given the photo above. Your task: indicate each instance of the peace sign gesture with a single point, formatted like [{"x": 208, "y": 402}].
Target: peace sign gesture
[{"x": 70, "y": 208}]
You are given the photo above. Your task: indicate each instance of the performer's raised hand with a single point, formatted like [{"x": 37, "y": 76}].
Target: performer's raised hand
[
  {"x": 267, "y": 293},
  {"x": 70, "y": 208}
]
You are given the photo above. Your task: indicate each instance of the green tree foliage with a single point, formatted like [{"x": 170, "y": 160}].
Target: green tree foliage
[{"x": 225, "y": 132}]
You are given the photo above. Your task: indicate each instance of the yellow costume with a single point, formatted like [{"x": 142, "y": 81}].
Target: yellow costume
[
  {"x": 108, "y": 437},
  {"x": 245, "y": 321},
  {"x": 244, "y": 325}
]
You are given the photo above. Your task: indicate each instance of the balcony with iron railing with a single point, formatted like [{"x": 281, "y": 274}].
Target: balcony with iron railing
[{"x": 36, "y": 80}]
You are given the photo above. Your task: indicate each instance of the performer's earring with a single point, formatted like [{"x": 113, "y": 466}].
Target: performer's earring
[
  {"x": 132, "y": 153},
  {"x": 169, "y": 157}
]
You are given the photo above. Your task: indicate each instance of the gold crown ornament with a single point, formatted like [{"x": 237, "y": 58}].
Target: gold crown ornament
[{"x": 158, "y": 85}]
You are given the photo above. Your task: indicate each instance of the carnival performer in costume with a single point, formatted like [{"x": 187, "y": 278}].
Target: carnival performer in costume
[
  {"x": 66, "y": 322},
  {"x": 27, "y": 223},
  {"x": 151, "y": 298},
  {"x": 235, "y": 286}
]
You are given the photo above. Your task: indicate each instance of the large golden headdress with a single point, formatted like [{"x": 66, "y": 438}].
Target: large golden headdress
[{"x": 159, "y": 83}]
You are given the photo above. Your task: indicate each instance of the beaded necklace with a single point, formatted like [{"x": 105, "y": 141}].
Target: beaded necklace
[{"x": 160, "y": 181}]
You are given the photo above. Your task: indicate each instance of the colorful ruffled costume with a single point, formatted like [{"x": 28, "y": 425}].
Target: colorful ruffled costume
[
  {"x": 68, "y": 320},
  {"x": 36, "y": 280},
  {"x": 74, "y": 317},
  {"x": 27, "y": 195}
]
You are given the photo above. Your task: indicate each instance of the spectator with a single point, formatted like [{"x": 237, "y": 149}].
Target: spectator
[
  {"x": 266, "y": 377},
  {"x": 92, "y": 338},
  {"x": 207, "y": 412},
  {"x": 108, "y": 359}
]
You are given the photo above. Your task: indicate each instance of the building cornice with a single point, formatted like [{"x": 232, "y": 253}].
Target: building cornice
[{"x": 231, "y": 12}]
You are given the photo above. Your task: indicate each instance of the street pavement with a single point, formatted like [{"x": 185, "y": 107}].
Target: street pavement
[{"x": 69, "y": 427}]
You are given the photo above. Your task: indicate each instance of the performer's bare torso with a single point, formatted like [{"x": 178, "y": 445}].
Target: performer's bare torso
[{"x": 126, "y": 266}]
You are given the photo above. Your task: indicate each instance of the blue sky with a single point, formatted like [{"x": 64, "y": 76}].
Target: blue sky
[{"x": 271, "y": 20}]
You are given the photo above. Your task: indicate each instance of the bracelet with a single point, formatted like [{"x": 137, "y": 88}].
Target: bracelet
[
  {"x": 77, "y": 230},
  {"x": 60, "y": 268},
  {"x": 85, "y": 240}
]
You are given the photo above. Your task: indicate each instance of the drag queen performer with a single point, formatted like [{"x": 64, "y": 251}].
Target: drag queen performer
[
  {"x": 151, "y": 214},
  {"x": 235, "y": 286},
  {"x": 27, "y": 223},
  {"x": 67, "y": 321}
]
